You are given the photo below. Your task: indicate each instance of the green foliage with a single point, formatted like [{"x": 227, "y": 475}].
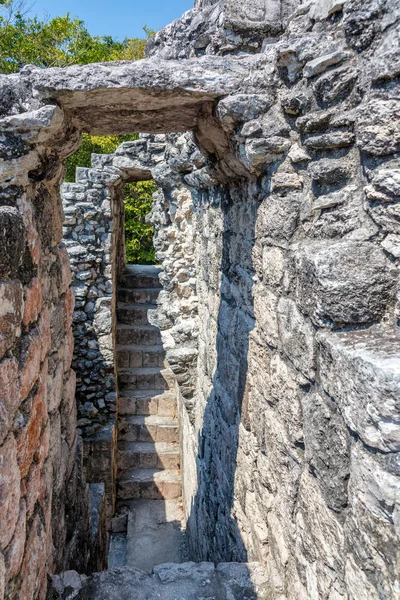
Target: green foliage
[
  {"x": 61, "y": 42},
  {"x": 137, "y": 197},
  {"x": 93, "y": 145},
  {"x": 138, "y": 233}
]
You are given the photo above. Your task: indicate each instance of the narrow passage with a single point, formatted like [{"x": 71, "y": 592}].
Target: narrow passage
[{"x": 150, "y": 523}]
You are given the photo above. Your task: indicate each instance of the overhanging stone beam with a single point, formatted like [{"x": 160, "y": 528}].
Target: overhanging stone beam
[{"x": 148, "y": 95}]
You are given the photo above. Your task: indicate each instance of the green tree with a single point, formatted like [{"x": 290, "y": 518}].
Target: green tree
[
  {"x": 61, "y": 42},
  {"x": 138, "y": 233}
]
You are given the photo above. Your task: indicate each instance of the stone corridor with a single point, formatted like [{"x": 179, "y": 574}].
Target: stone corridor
[
  {"x": 150, "y": 519},
  {"x": 267, "y": 345}
]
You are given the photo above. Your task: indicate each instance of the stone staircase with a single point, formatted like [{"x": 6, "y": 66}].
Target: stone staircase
[{"x": 148, "y": 434}]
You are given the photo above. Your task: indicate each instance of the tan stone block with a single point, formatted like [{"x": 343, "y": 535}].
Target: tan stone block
[
  {"x": 2, "y": 577},
  {"x": 29, "y": 363},
  {"x": 35, "y": 488},
  {"x": 9, "y": 395},
  {"x": 45, "y": 334},
  {"x": 68, "y": 409},
  {"x": 11, "y": 307},
  {"x": 65, "y": 270},
  {"x": 167, "y": 406},
  {"x": 14, "y": 552},
  {"x": 9, "y": 490},
  {"x": 54, "y": 387},
  {"x": 33, "y": 302},
  {"x": 28, "y": 438},
  {"x": 69, "y": 308},
  {"x": 68, "y": 350},
  {"x": 34, "y": 566}
]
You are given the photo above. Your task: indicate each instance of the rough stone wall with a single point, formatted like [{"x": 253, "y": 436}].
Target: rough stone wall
[
  {"x": 291, "y": 441},
  {"x": 293, "y": 457},
  {"x": 42, "y": 490},
  {"x": 44, "y": 524},
  {"x": 94, "y": 237}
]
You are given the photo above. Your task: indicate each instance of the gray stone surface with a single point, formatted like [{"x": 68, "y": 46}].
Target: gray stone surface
[
  {"x": 169, "y": 581},
  {"x": 276, "y": 222}
]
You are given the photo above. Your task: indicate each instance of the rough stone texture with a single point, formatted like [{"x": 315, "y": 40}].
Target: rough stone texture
[
  {"x": 276, "y": 224},
  {"x": 168, "y": 581}
]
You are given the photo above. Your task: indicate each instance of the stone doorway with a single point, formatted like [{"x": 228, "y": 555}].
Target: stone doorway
[{"x": 128, "y": 416}]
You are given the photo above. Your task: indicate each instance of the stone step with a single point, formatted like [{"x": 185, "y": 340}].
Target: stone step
[
  {"x": 148, "y": 455},
  {"x": 137, "y": 355},
  {"x": 130, "y": 313},
  {"x": 138, "y": 296},
  {"x": 138, "y": 334},
  {"x": 155, "y": 534},
  {"x": 117, "y": 551},
  {"x": 147, "y": 402},
  {"x": 149, "y": 484},
  {"x": 143, "y": 378},
  {"x": 153, "y": 428},
  {"x": 141, "y": 276}
]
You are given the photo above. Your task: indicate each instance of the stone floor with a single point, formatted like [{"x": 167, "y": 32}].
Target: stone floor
[
  {"x": 188, "y": 581},
  {"x": 149, "y": 526}
]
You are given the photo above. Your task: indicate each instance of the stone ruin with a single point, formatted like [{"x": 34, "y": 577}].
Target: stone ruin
[{"x": 272, "y": 131}]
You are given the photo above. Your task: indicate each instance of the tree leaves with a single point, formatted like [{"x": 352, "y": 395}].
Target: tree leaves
[{"x": 61, "y": 42}]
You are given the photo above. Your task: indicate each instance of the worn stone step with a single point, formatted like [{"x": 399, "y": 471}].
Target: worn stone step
[
  {"x": 155, "y": 534},
  {"x": 140, "y": 428},
  {"x": 148, "y": 455},
  {"x": 141, "y": 276},
  {"x": 138, "y": 334},
  {"x": 143, "y": 378},
  {"x": 138, "y": 296},
  {"x": 117, "y": 551},
  {"x": 137, "y": 355},
  {"x": 147, "y": 402},
  {"x": 130, "y": 313},
  {"x": 150, "y": 484}
]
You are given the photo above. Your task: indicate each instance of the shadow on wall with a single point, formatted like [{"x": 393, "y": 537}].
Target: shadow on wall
[{"x": 213, "y": 527}]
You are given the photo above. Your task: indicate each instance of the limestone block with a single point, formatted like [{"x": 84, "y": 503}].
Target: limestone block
[
  {"x": 9, "y": 490},
  {"x": 29, "y": 434},
  {"x": 277, "y": 218},
  {"x": 14, "y": 552},
  {"x": 169, "y": 572},
  {"x": 253, "y": 14},
  {"x": 13, "y": 242},
  {"x": 327, "y": 452},
  {"x": 296, "y": 337},
  {"x": 358, "y": 585},
  {"x": 54, "y": 387},
  {"x": 33, "y": 302},
  {"x": 34, "y": 566},
  {"x": 265, "y": 312},
  {"x": 2, "y": 577},
  {"x": 11, "y": 310},
  {"x": 283, "y": 393},
  {"x": 322, "y": 9},
  {"x": 243, "y": 107},
  {"x": 360, "y": 370},
  {"x": 319, "y": 541},
  {"x": 335, "y": 86},
  {"x": 385, "y": 62},
  {"x": 344, "y": 282},
  {"x": 372, "y": 522},
  {"x": 273, "y": 263},
  {"x": 29, "y": 364},
  {"x": 319, "y": 65},
  {"x": 378, "y": 127},
  {"x": 9, "y": 395}
]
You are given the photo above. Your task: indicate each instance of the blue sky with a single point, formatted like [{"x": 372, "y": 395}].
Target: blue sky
[{"x": 118, "y": 18}]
